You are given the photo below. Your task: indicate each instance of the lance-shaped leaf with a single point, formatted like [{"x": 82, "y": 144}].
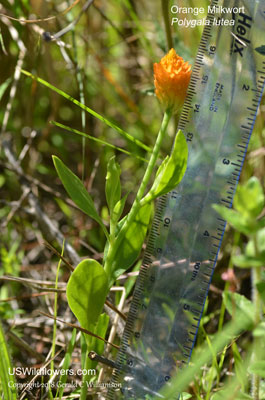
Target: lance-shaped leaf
[
  {"x": 171, "y": 171},
  {"x": 127, "y": 248},
  {"x": 77, "y": 191},
  {"x": 86, "y": 292},
  {"x": 94, "y": 343},
  {"x": 241, "y": 222}
]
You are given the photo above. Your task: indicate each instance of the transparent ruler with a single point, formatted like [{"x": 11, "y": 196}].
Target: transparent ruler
[{"x": 218, "y": 118}]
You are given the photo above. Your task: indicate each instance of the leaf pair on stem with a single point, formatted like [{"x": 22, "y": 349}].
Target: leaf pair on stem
[{"x": 90, "y": 282}]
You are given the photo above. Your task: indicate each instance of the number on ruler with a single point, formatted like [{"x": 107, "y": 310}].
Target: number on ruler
[{"x": 195, "y": 271}]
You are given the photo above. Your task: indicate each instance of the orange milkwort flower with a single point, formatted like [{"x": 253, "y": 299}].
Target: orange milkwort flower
[{"x": 172, "y": 77}]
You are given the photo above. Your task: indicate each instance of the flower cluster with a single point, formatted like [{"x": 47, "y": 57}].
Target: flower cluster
[{"x": 172, "y": 76}]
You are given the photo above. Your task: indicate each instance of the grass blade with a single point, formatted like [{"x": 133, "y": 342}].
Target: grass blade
[
  {"x": 181, "y": 381},
  {"x": 65, "y": 365},
  {"x": 89, "y": 110},
  {"x": 100, "y": 141},
  {"x": 7, "y": 379}
]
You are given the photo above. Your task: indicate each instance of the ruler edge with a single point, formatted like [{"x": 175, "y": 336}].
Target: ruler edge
[{"x": 161, "y": 204}]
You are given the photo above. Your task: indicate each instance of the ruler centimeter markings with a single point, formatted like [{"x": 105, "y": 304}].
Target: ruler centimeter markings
[{"x": 218, "y": 117}]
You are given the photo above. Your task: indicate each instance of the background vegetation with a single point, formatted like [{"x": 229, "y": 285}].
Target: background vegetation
[{"x": 105, "y": 61}]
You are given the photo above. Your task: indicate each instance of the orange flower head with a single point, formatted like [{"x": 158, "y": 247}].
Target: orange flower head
[{"x": 172, "y": 77}]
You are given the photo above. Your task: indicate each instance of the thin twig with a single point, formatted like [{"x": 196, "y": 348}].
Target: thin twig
[
  {"x": 50, "y": 247},
  {"x": 40, "y": 185},
  {"x": 113, "y": 330},
  {"x": 23, "y": 393},
  {"x": 103, "y": 360},
  {"x": 26, "y": 148},
  {"x": 33, "y": 21},
  {"x": 79, "y": 328},
  {"x": 24, "y": 296},
  {"x": 13, "y": 89},
  {"x": 117, "y": 311},
  {"x": 29, "y": 281},
  {"x": 70, "y": 26},
  {"x": 15, "y": 208}
]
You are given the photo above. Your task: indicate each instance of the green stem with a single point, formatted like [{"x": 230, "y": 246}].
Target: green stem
[
  {"x": 55, "y": 323},
  {"x": 256, "y": 277},
  {"x": 164, "y": 4},
  {"x": 136, "y": 204}
]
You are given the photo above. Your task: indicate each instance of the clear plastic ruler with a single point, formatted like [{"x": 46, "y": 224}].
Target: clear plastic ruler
[{"x": 217, "y": 118}]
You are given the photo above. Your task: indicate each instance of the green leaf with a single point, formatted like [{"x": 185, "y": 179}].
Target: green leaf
[
  {"x": 259, "y": 331},
  {"x": 86, "y": 293},
  {"x": 77, "y": 191},
  {"x": 8, "y": 383},
  {"x": 171, "y": 171},
  {"x": 130, "y": 245},
  {"x": 118, "y": 209},
  {"x": 250, "y": 248},
  {"x": 258, "y": 368},
  {"x": 113, "y": 185},
  {"x": 236, "y": 303},
  {"x": 250, "y": 258},
  {"x": 89, "y": 110},
  {"x": 249, "y": 198},
  {"x": 245, "y": 261},
  {"x": 4, "y": 86},
  {"x": 240, "y": 222},
  {"x": 101, "y": 330}
]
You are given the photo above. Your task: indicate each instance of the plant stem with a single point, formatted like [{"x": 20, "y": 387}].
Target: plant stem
[
  {"x": 136, "y": 204},
  {"x": 55, "y": 323},
  {"x": 55, "y": 310},
  {"x": 256, "y": 277},
  {"x": 164, "y": 5},
  {"x": 149, "y": 170}
]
